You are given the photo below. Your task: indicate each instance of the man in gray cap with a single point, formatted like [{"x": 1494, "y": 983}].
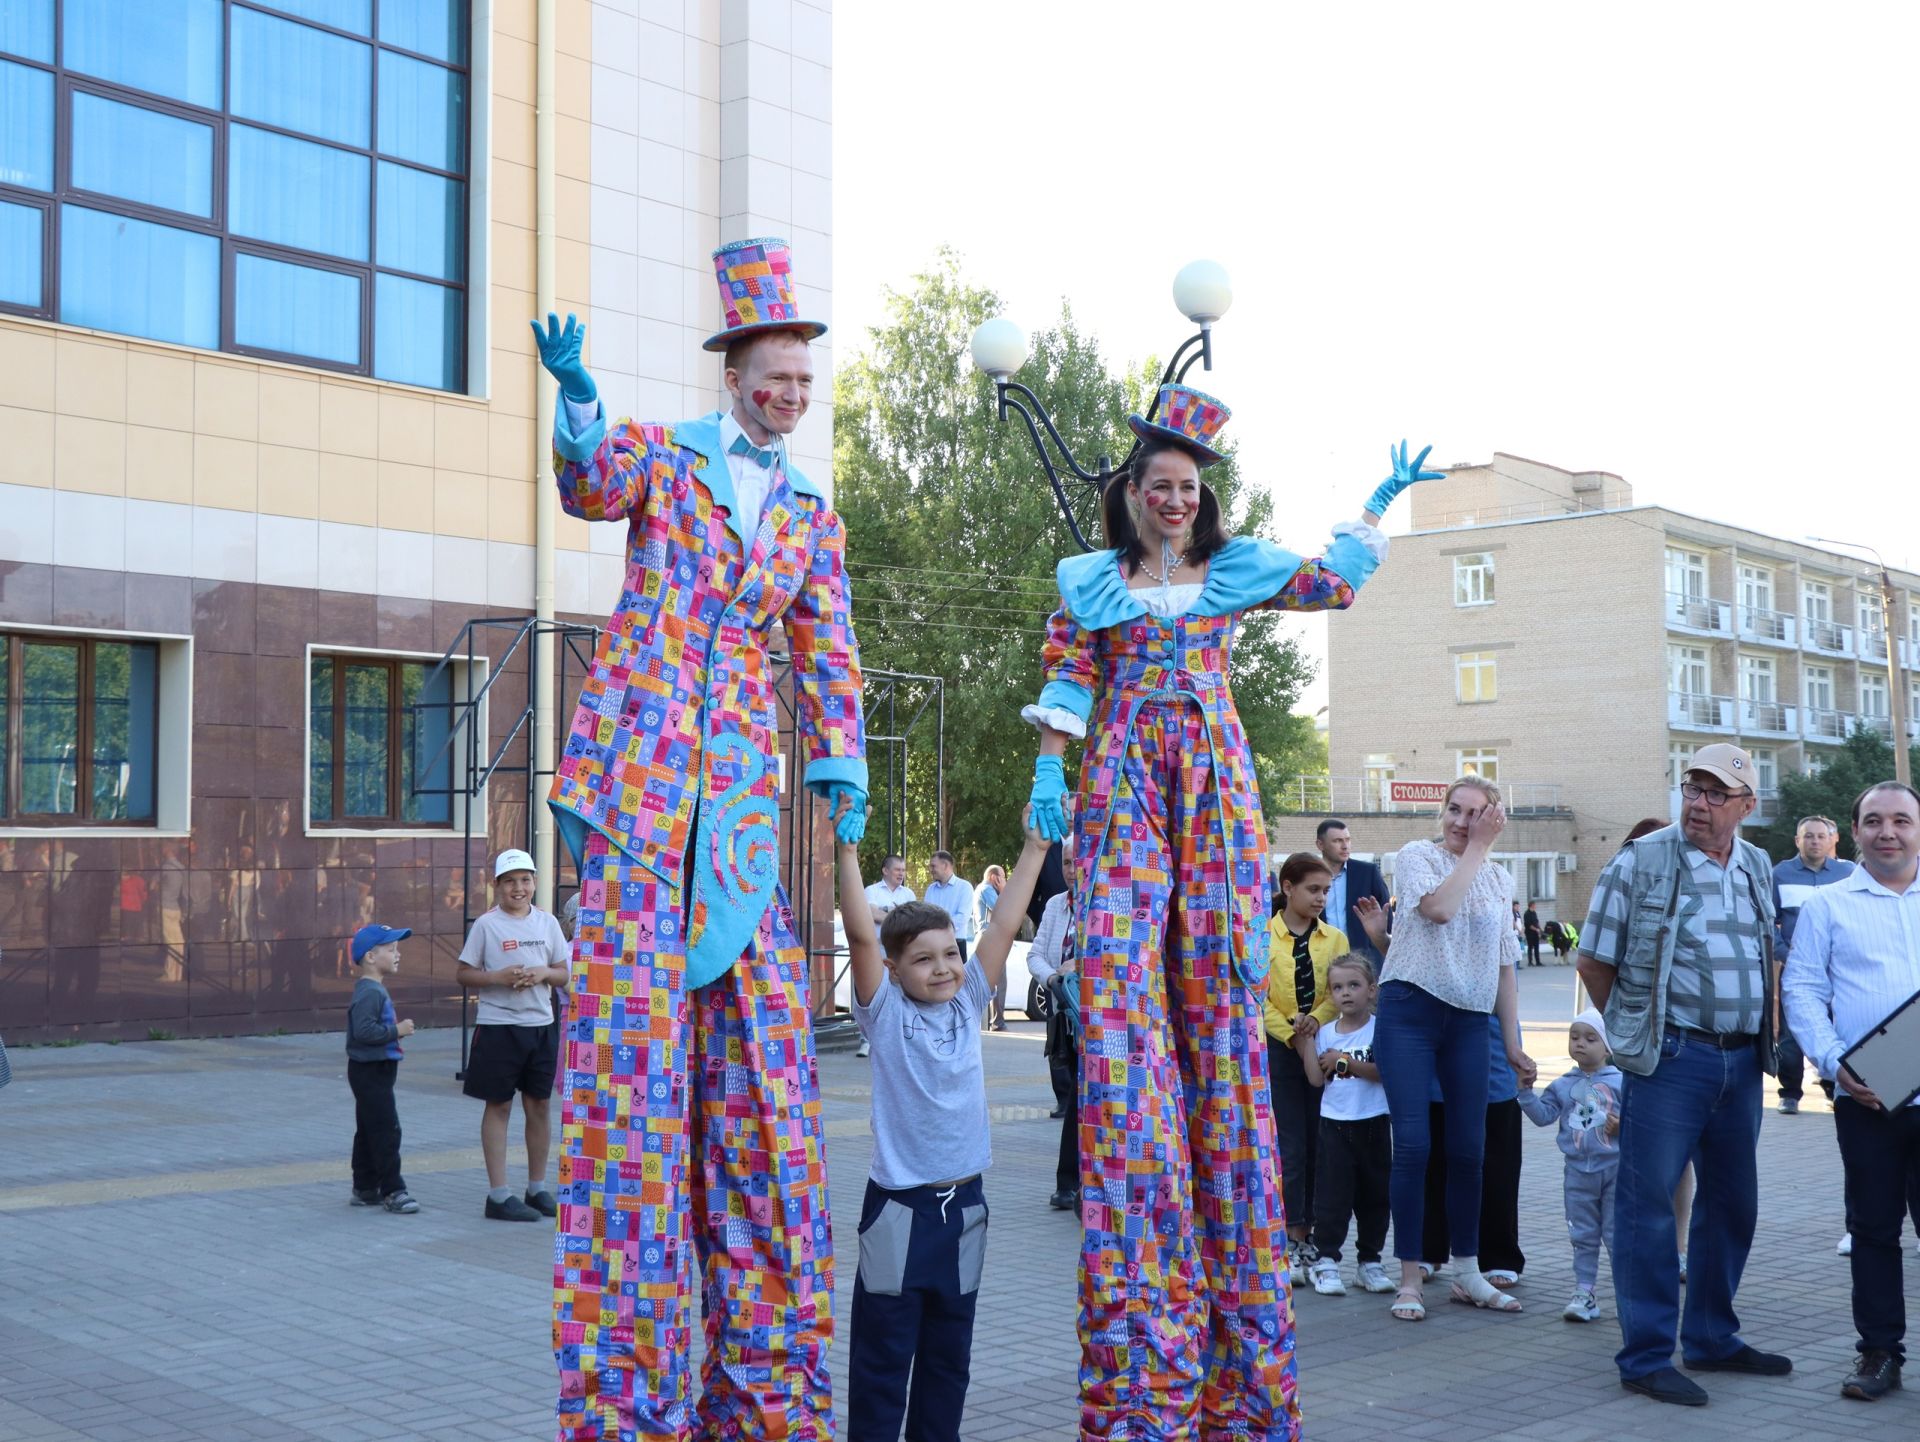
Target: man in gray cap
[{"x": 1678, "y": 953}]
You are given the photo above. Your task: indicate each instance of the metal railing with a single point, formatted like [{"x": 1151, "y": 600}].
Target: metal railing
[
  {"x": 1698, "y": 613},
  {"x": 1698, "y": 711},
  {"x": 1817, "y": 724},
  {"x": 1311, "y": 795},
  {"x": 1880, "y": 725},
  {"x": 1757, "y": 623},
  {"x": 1830, "y": 637},
  {"x": 1872, "y": 645},
  {"x": 1769, "y": 718}
]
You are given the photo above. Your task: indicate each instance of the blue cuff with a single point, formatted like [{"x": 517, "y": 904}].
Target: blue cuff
[
  {"x": 824, "y": 772},
  {"x": 578, "y": 449},
  {"x": 1350, "y": 560},
  {"x": 1068, "y": 696}
]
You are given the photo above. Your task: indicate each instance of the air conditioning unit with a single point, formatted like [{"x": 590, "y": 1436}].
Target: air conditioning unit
[{"x": 1566, "y": 862}]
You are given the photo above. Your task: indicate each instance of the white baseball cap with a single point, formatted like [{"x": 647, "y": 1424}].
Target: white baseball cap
[{"x": 512, "y": 859}]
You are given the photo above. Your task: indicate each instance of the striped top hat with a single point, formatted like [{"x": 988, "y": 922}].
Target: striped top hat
[
  {"x": 1189, "y": 419},
  {"x": 756, "y": 292}
]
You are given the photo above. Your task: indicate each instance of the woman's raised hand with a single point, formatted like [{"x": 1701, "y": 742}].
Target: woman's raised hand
[
  {"x": 1404, "y": 475},
  {"x": 1487, "y": 825}
]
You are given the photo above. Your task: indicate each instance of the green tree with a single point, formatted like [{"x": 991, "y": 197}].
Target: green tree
[
  {"x": 953, "y": 539},
  {"x": 1864, "y": 758}
]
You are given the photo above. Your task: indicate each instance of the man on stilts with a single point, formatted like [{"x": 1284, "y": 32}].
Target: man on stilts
[{"x": 692, "y": 1139}]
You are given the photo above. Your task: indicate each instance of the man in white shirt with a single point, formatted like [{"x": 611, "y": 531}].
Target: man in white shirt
[
  {"x": 1053, "y": 954},
  {"x": 1856, "y": 959},
  {"x": 890, "y": 890}
]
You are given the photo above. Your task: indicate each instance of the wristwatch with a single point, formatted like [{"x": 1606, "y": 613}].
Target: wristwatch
[{"x": 1340, "y": 1066}]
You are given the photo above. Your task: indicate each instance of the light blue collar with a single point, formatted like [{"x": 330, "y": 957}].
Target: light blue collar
[{"x": 709, "y": 436}]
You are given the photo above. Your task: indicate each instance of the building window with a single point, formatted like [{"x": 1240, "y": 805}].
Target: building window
[
  {"x": 1687, "y": 670},
  {"x": 1679, "y": 758},
  {"x": 1474, "y": 678},
  {"x": 1817, "y": 600},
  {"x": 213, "y": 174},
  {"x": 1766, "y": 771},
  {"x": 1757, "y": 679},
  {"x": 1376, "y": 781},
  {"x": 1481, "y": 761},
  {"x": 377, "y": 743},
  {"x": 1819, "y": 688},
  {"x": 1874, "y": 696},
  {"x": 1686, "y": 575},
  {"x": 1913, "y": 622},
  {"x": 82, "y": 731},
  {"x": 1873, "y": 616},
  {"x": 1542, "y": 878},
  {"x": 1473, "y": 579},
  {"x": 1756, "y": 588}
]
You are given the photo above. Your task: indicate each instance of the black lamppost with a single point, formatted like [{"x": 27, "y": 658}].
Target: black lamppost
[{"x": 1202, "y": 292}]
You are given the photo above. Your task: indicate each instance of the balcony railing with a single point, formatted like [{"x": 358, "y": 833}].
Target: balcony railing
[
  {"x": 1829, "y": 637},
  {"x": 1821, "y": 725},
  {"x": 1873, "y": 645},
  {"x": 1697, "y": 613},
  {"x": 1335, "y": 795},
  {"x": 1697, "y": 711},
  {"x": 1778, "y": 628},
  {"x": 1878, "y": 725},
  {"x": 1768, "y": 718}
]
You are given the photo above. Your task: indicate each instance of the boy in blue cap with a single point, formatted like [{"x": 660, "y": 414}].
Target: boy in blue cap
[{"x": 373, "y": 1063}]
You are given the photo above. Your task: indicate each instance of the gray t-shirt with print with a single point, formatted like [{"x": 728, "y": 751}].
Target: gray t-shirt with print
[
  {"x": 929, "y": 1086},
  {"x": 498, "y": 942}
]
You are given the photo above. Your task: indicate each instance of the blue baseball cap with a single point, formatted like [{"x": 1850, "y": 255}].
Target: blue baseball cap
[{"x": 368, "y": 937}]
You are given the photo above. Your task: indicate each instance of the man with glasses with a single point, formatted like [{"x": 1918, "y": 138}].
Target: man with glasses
[
  {"x": 1812, "y": 865},
  {"x": 1678, "y": 952}
]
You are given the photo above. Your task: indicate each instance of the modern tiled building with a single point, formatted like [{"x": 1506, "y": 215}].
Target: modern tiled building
[
  {"x": 1538, "y": 627},
  {"x": 271, "y": 438}
]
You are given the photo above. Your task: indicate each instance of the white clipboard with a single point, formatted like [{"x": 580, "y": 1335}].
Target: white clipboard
[{"x": 1887, "y": 1058}]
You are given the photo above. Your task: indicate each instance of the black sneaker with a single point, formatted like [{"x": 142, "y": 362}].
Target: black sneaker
[
  {"x": 1877, "y": 1375},
  {"x": 1750, "y": 1360},
  {"x": 1067, "y": 1201},
  {"x": 400, "y": 1202},
  {"x": 541, "y": 1200},
  {"x": 367, "y": 1198},
  {"x": 511, "y": 1210},
  {"x": 1667, "y": 1385}
]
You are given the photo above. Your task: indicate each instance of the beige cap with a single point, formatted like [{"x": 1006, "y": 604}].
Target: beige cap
[{"x": 1726, "y": 761}]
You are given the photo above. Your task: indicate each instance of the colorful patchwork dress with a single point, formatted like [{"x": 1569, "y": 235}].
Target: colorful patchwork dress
[
  {"x": 691, "y": 1160},
  {"x": 1185, "y": 1307}
]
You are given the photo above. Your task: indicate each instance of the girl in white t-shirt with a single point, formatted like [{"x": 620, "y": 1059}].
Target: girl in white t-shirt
[{"x": 1355, "y": 1158}]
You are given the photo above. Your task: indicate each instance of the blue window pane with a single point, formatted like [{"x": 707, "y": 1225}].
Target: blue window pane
[
  {"x": 26, "y": 127},
  {"x": 139, "y": 278},
  {"x": 142, "y": 155},
  {"x": 294, "y": 192},
  {"x": 354, "y": 15},
  {"x": 170, "y": 47},
  {"x": 49, "y": 729},
  {"x": 426, "y": 761},
  {"x": 421, "y": 227},
  {"x": 20, "y": 239},
  {"x": 427, "y": 27},
  {"x": 126, "y": 689},
  {"x": 301, "y": 78},
  {"x": 423, "y": 112},
  {"x": 296, "y": 309},
  {"x": 418, "y": 332},
  {"x": 26, "y": 28}
]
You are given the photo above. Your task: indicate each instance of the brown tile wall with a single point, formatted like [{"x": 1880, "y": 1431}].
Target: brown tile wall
[{"x": 242, "y": 927}]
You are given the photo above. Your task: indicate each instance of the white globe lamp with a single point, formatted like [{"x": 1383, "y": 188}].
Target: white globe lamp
[
  {"x": 1202, "y": 291},
  {"x": 999, "y": 347}
]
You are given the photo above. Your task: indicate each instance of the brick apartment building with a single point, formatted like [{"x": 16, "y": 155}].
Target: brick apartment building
[{"x": 1539, "y": 628}]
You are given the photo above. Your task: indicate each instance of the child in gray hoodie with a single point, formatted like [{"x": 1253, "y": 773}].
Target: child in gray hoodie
[{"x": 1586, "y": 1104}]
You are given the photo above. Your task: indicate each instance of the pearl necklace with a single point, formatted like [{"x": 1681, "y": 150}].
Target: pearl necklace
[{"x": 1168, "y": 561}]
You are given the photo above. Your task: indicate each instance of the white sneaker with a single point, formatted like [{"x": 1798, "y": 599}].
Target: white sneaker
[
  {"x": 1582, "y": 1308},
  {"x": 1845, "y": 1249},
  {"x": 864, "y": 1049},
  {"x": 1373, "y": 1277},
  {"x": 1325, "y": 1275}
]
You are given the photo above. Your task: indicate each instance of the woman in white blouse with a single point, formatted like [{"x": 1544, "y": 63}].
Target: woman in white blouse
[{"x": 1452, "y": 963}]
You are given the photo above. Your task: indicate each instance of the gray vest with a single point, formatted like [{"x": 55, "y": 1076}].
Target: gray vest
[{"x": 1636, "y": 1011}]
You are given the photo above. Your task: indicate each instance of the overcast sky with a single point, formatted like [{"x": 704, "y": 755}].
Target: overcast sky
[{"x": 1671, "y": 241}]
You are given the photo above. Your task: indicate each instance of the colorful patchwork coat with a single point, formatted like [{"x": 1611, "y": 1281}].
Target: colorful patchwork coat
[{"x": 673, "y": 744}]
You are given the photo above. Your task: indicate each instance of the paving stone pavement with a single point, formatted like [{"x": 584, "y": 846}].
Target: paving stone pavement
[{"x": 178, "y": 1264}]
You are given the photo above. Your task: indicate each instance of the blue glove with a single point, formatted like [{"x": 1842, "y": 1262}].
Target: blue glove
[
  {"x": 1049, "y": 790},
  {"x": 560, "y": 354},
  {"x": 1403, "y": 476},
  {"x": 850, "y": 828}
]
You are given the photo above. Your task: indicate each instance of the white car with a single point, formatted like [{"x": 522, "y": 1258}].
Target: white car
[{"x": 1022, "y": 990}]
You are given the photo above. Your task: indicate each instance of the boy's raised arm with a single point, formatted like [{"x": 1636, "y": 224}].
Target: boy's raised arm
[
  {"x": 856, "y": 919},
  {"x": 1011, "y": 909}
]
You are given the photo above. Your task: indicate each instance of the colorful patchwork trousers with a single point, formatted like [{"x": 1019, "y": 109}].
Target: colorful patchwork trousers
[
  {"x": 1186, "y": 1325},
  {"x": 691, "y": 1159}
]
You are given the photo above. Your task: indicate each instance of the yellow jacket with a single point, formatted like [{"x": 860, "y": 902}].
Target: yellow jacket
[{"x": 1325, "y": 944}]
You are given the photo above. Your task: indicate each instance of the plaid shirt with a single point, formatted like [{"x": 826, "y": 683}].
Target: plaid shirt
[{"x": 1716, "y": 983}]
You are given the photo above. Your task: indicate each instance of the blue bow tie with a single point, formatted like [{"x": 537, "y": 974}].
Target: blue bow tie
[{"x": 761, "y": 456}]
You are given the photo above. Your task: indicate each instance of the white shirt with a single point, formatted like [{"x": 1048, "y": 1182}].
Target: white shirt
[
  {"x": 1856, "y": 957},
  {"x": 1050, "y": 937},
  {"x": 955, "y": 897},
  {"x": 884, "y": 897},
  {"x": 751, "y": 482},
  {"x": 1349, "y": 1098},
  {"x": 1459, "y": 962}
]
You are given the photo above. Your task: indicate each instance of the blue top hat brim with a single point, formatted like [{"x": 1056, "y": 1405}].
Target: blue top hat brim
[
  {"x": 1153, "y": 431},
  {"x": 805, "y": 329}
]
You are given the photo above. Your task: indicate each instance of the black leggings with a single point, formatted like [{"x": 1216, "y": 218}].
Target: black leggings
[{"x": 1499, "y": 1193}]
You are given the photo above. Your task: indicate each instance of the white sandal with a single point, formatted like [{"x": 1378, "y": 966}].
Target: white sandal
[
  {"x": 1409, "y": 1306},
  {"x": 1495, "y": 1300}
]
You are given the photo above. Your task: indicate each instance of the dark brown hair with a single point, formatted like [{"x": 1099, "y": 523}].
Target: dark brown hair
[
  {"x": 909, "y": 920},
  {"x": 1209, "y": 530},
  {"x": 1293, "y": 870},
  {"x": 1644, "y": 828}
]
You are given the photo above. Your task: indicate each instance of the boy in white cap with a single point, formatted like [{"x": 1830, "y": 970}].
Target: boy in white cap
[
  {"x": 513, "y": 955},
  {"x": 1586, "y": 1104}
]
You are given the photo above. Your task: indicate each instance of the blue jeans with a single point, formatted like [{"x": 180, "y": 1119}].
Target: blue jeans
[
  {"x": 1700, "y": 1103},
  {"x": 1417, "y": 1038}
]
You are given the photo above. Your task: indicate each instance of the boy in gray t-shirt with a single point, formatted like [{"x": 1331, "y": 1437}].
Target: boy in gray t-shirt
[{"x": 923, "y": 1223}]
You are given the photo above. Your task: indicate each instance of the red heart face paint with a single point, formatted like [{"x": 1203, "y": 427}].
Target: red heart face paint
[{"x": 760, "y": 398}]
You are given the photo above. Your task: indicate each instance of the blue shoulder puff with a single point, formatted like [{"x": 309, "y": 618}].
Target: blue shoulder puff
[
  {"x": 1244, "y": 573},
  {"x": 1095, "y": 593}
]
